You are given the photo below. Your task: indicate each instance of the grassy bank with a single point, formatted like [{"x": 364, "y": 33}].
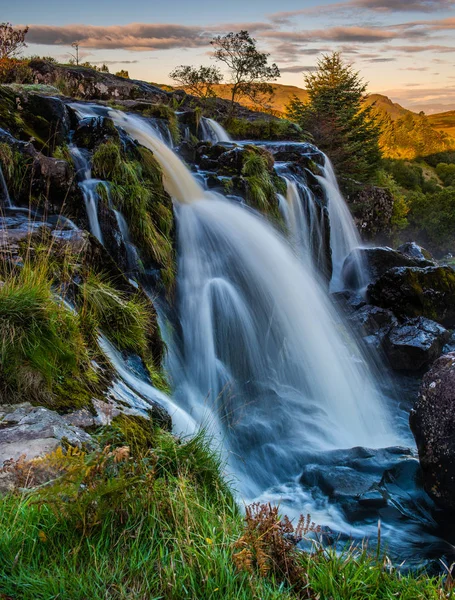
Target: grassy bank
[{"x": 150, "y": 517}]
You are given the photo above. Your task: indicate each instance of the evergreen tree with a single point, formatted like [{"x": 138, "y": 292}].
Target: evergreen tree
[{"x": 335, "y": 116}]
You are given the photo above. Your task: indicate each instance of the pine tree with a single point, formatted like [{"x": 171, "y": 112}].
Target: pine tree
[{"x": 340, "y": 124}]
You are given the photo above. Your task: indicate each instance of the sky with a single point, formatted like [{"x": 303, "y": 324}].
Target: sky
[{"x": 405, "y": 50}]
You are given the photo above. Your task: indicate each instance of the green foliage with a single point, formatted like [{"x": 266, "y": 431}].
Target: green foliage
[
  {"x": 260, "y": 189},
  {"x": 156, "y": 520},
  {"x": 43, "y": 353},
  {"x": 432, "y": 216},
  {"x": 137, "y": 190},
  {"x": 249, "y": 71},
  {"x": 126, "y": 320},
  {"x": 446, "y": 174},
  {"x": 263, "y": 129},
  {"x": 399, "y": 219},
  {"x": 163, "y": 111},
  {"x": 340, "y": 124}
]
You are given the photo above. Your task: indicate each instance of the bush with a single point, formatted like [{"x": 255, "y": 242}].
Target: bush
[
  {"x": 432, "y": 217},
  {"x": 446, "y": 174},
  {"x": 13, "y": 70}
]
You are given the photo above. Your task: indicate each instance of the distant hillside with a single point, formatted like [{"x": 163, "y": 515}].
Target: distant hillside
[
  {"x": 444, "y": 122},
  {"x": 384, "y": 105}
]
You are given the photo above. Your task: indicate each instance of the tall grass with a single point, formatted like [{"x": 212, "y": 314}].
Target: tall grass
[{"x": 157, "y": 521}]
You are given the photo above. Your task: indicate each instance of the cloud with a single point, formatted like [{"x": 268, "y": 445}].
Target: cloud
[
  {"x": 382, "y": 60},
  {"x": 298, "y": 69},
  {"x": 337, "y": 34},
  {"x": 425, "y": 6},
  {"x": 115, "y": 62},
  {"x": 414, "y": 69},
  {"x": 423, "y": 48},
  {"x": 135, "y": 36}
]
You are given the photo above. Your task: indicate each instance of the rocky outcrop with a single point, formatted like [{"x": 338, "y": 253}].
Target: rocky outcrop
[
  {"x": 412, "y": 292},
  {"x": 372, "y": 208},
  {"x": 415, "y": 344},
  {"x": 34, "y": 431},
  {"x": 432, "y": 422},
  {"x": 372, "y": 320},
  {"x": 377, "y": 261},
  {"x": 86, "y": 83}
]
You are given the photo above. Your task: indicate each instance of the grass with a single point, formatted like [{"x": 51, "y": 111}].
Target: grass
[
  {"x": 137, "y": 190},
  {"x": 150, "y": 516},
  {"x": 43, "y": 353},
  {"x": 261, "y": 192}
]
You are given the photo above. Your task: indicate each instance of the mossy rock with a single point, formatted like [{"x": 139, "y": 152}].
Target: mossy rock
[
  {"x": 138, "y": 432},
  {"x": 417, "y": 292}
]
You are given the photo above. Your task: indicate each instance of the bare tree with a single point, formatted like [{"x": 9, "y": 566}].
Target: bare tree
[
  {"x": 12, "y": 41},
  {"x": 250, "y": 73},
  {"x": 75, "y": 56},
  {"x": 199, "y": 81}
]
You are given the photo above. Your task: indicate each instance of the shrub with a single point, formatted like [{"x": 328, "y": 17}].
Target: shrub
[
  {"x": 264, "y": 129},
  {"x": 13, "y": 70},
  {"x": 446, "y": 174}
]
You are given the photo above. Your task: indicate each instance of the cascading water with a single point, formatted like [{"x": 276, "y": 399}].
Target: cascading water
[
  {"x": 344, "y": 236},
  {"x": 213, "y": 131},
  {"x": 264, "y": 352},
  {"x": 88, "y": 188},
  {"x": 305, "y": 221}
]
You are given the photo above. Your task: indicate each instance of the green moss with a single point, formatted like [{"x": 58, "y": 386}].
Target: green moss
[
  {"x": 137, "y": 190},
  {"x": 264, "y": 129},
  {"x": 261, "y": 192},
  {"x": 163, "y": 111},
  {"x": 135, "y": 431}
]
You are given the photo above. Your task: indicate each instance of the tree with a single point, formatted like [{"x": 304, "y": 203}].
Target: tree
[
  {"x": 341, "y": 125},
  {"x": 123, "y": 73},
  {"x": 75, "y": 56},
  {"x": 197, "y": 81},
  {"x": 250, "y": 73},
  {"x": 12, "y": 41}
]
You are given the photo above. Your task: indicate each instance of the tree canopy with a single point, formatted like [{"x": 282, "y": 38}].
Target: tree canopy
[
  {"x": 249, "y": 71},
  {"x": 340, "y": 124},
  {"x": 199, "y": 81},
  {"x": 12, "y": 41}
]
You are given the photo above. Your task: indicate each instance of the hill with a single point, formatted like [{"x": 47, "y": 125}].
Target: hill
[{"x": 444, "y": 122}]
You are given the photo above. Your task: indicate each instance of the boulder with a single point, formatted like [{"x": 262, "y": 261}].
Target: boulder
[
  {"x": 412, "y": 292},
  {"x": 415, "y": 344},
  {"x": 376, "y": 262},
  {"x": 413, "y": 250},
  {"x": 372, "y": 208},
  {"x": 34, "y": 431},
  {"x": 93, "y": 131},
  {"x": 432, "y": 422},
  {"x": 371, "y": 320}
]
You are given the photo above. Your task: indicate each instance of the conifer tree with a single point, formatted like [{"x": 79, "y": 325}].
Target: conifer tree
[{"x": 340, "y": 124}]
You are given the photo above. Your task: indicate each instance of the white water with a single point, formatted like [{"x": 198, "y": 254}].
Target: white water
[
  {"x": 213, "y": 131},
  {"x": 88, "y": 188},
  {"x": 304, "y": 222},
  {"x": 262, "y": 356},
  {"x": 177, "y": 179},
  {"x": 344, "y": 236}
]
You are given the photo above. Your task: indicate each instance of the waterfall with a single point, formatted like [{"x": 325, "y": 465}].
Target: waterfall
[
  {"x": 213, "y": 131},
  {"x": 264, "y": 356},
  {"x": 344, "y": 235},
  {"x": 88, "y": 187},
  {"x": 4, "y": 193},
  {"x": 304, "y": 218}
]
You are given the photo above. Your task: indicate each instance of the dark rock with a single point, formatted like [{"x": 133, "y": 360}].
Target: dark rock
[
  {"x": 432, "y": 422},
  {"x": 372, "y": 320},
  {"x": 413, "y": 250},
  {"x": 91, "y": 132},
  {"x": 372, "y": 208},
  {"x": 412, "y": 292},
  {"x": 348, "y": 301},
  {"x": 415, "y": 344},
  {"x": 335, "y": 481},
  {"x": 376, "y": 262}
]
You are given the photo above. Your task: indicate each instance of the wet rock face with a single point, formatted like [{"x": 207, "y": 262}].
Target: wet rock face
[
  {"x": 411, "y": 292},
  {"x": 378, "y": 261},
  {"x": 415, "y": 344},
  {"x": 372, "y": 208},
  {"x": 372, "y": 320},
  {"x": 432, "y": 422}
]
